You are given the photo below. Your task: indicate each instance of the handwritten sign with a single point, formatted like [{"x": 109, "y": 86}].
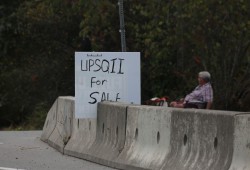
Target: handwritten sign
[{"x": 112, "y": 76}]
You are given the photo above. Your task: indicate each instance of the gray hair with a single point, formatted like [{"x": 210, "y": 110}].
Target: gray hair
[{"x": 205, "y": 75}]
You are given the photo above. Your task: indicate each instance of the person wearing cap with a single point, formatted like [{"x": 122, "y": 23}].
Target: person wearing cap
[{"x": 201, "y": 97}]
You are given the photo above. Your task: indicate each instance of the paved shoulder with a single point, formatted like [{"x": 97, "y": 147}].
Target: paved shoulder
[{"x": 25, "y": 150}]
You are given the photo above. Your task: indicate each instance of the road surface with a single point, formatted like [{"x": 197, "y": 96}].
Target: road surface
[{"x": 24, "y": 150}]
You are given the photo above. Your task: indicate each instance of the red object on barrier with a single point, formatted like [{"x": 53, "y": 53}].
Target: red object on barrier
[{"x": 157, "y": 101}]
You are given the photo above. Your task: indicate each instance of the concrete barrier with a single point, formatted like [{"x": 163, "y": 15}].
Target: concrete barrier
[
  {"x": 241, "y": 145},
  {"x": 133, "y": 137},
  {"x": 50, "y": 122},
  {"x": 62, "y": 132},
  {"x": 110, "y": 134},
  {"x": 82, "y": 138},
  {"x": 201, "y": 140},
  {"x": 196, "y": 139},
  {"x": 147, "y": 138}
]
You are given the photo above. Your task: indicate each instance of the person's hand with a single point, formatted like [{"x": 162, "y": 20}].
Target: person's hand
[
  {"x": 173, "y": 104},
  {"x": 181, "y": 100}
]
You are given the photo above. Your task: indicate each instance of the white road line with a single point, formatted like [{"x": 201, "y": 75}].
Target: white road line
[{"x": 4, "y": 168}]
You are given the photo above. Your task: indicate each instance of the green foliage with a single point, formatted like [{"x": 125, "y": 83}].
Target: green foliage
[
  {"x": 37, "y": 44},
  {"x": 177, "y": 39},
  {"x": 100, "y": 22},
  {"x": 37, "y": 118},
  {"x": 180, "y": 38}
]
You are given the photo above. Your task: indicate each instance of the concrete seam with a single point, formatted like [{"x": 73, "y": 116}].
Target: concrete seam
[
  {"x": 126, "y": 120},
  {"x": 126, "y": 117},
  {"x": 55, "y": 118}
]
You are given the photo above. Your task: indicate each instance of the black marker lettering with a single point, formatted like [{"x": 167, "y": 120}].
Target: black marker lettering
[
  {"x": 91, "y": 96},
  {"x": 117, "y": 97},
  {"x": 104, "y": 81},
  {"x": 107, "y": 69},
  {"x": 92, "y": 81},
  {"x": 113, "y": 65},
  {"x": 91, "y": 63},
  {"x": 98, "y": 64},
  {"x": 104, "y": 97},
  {"x": 85, "y": 65},
  {"x": 120, "y": 72}
]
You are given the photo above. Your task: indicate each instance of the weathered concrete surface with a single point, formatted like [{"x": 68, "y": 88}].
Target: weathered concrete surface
[
  {"x": 241, "y": 146},
  {"x": 50, "y": 122},
  {"x": 62, "y": 132},
  {"x": 147, "y": 138},
  {"x": 110, "y": 133},
  {"x": 82, "y": 138},
  {"x": 200, "y": 140}
]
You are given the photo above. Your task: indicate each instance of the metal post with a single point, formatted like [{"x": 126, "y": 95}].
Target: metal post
[{"x": 122, "y": 25}]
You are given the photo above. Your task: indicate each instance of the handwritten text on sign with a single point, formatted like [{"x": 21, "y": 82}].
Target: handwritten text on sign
[{"x": 105, "y": 76}]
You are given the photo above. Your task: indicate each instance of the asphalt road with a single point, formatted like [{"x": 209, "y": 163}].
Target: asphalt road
[{"x": 25, "y": 150}]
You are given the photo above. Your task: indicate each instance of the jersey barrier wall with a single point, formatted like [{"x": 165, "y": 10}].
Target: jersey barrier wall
[{"x": 139, "y": 137}]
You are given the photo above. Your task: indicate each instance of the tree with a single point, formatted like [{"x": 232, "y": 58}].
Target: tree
[
  {"x": 177, "y": 39},
  {"x": 38, "y": 57}
]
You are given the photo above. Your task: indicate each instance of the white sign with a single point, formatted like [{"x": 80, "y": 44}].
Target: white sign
[{"x": 112, "y": 76}]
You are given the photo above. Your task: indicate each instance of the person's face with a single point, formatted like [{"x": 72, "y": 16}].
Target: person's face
[{"x": 201, "y": 81}]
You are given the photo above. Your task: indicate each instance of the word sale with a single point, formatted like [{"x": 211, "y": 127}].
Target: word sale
[{"x": 103, "y": 96}]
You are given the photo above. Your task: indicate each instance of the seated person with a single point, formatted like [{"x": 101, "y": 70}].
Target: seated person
[{"x": 201, "y": 97}]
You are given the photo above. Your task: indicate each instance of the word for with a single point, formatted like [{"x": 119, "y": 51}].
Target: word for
[
  {"x": 114, "y": 83},
  {"x": 97, "y": 82},
  {"x": 103, "y": 96},
  {"x": 109, "y": 66}
]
